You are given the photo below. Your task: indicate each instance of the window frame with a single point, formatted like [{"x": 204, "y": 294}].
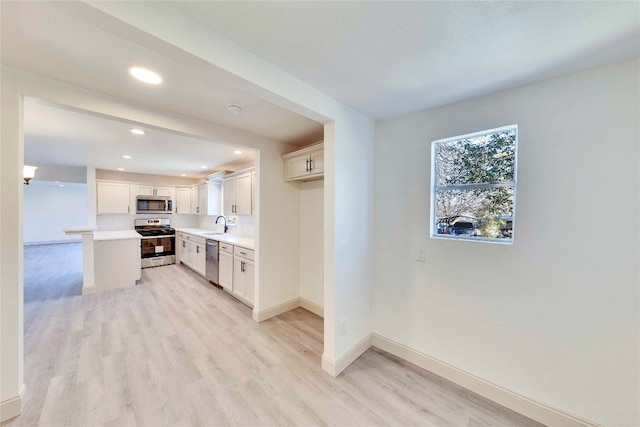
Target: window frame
[{"x": 434, "y": 188}]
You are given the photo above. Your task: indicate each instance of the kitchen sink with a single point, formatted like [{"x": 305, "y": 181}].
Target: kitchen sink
[{"x": 214, "y": 233}]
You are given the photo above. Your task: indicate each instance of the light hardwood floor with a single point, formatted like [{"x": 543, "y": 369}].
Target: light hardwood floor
[{"x": 176, "y": 351}]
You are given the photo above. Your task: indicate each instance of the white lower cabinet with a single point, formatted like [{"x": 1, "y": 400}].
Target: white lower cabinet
[
  {"x": 225, "y": 267},
  {"x": 192, "y": 253},
  {"x": 243, "y": 280},
  {"x": 235, "y": 265},
  {"x": 200, "y": 259}
]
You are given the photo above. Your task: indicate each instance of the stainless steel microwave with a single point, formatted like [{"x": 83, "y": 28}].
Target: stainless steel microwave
[{"x": 154, "y": 204}]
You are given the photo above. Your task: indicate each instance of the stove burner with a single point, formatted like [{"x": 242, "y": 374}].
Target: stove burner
[
  {"x": 148, "y": 232},
  {"x": 154, "y": 227}
]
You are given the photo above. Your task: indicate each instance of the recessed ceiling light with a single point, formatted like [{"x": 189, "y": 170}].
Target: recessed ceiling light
[
  {"x": 120, "y": 169},
  {"x": 203, "y": 167},
  {"x": 237, "y": 152},
  {"x": 60, "y": 185},
  {"x": 183, "y": 174},
  {"x": 234, "y": 109},
  {"x": 137, "y": 131},
  {"x": 127, "y": 157},
  {"x": 145, "y": 75}
]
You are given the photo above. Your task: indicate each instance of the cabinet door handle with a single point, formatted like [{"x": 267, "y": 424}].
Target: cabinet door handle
[
  {"x": 183, "y": 244},
  {"x": 197, "y": 249},
  {"x": 243, "y": 253},
  {"x": 310, "y": 165}
]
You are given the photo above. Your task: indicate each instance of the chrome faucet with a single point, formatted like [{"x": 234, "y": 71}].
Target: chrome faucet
[{"x": 226, "y": 229}]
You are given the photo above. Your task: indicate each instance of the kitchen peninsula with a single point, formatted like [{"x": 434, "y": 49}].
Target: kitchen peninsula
[{"x": 110, "y": 259}]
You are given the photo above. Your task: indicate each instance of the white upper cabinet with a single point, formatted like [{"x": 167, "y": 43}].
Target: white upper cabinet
[
  {"x": 151, "y": 190},
  {"x": 199, "y": 200},
  {"x": 165, "y": 191},
  {"x": 296, "y": 167},
  {"x": 142, "y": 190},
  {"x": 194, "y": 201},
  {"x": 182, "y": 204},
  {"x": 237, "y": 194},
  {"x": 229, "y": 196},
  {"x": 304, "y": 165},
  {"x": 203, "y": 205},
  {"x": 214, "y": 197},
  {"x": 112, "y": 198},
  {"x": 243, "y": 194}
]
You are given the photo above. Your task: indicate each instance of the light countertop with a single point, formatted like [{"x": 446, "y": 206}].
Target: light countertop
[
  {"x": 115, "y": 235},
  {"x": 88, "y": 229},
  {"x": 245, "y": 242}
]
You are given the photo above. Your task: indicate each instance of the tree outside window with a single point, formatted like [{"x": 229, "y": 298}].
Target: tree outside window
[{"x": 473, "y": 185}]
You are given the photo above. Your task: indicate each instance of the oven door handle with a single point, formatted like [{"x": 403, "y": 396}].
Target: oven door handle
[{"x": 157, "y": 237}]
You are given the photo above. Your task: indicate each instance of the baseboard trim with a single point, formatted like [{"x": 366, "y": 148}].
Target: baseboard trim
[
  {"x": 11, "y": 408},
  {"x": 316, "y": 309},
  {"x": 89, "y": 289},
  {"x": 277, "y": 309},
  {"x": 533, "y": 409},
  {"x": 335, "y": 367}
]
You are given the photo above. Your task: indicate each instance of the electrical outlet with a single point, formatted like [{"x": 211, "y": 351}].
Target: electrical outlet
[
  {"x": 342, "y": 327},
  {"x": 420, "y": 253}
]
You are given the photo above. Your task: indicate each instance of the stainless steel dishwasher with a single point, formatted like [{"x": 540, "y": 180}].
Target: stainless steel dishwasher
[{"x": 211, "y": 272}]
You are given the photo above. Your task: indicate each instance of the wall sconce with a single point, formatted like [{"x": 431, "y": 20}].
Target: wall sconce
[{"x": 28, "y": 172}]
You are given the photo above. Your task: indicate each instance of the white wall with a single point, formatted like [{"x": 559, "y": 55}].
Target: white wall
[
  {"x": 52, "y": 173},
  {"x": 126, "y": 221},
  {"x": 12, "y": 254},
  {"x": 555, "y": 317},
  {"x": 349, "y": 235},
  {"x": 312, "y": 242},
  {"x": 348, "y": 136},
  {"x": 49, "y": 209},
  {"x": 244, "y": 225}
]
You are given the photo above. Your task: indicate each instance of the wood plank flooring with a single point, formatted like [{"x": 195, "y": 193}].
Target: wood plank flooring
[{"x": 176, "y": 351}]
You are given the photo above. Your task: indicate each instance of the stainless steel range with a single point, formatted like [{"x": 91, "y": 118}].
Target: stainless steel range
[{"x": 157, "y": 242}]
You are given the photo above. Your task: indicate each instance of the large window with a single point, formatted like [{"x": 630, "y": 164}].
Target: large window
[{"x": 473, "y": 185}]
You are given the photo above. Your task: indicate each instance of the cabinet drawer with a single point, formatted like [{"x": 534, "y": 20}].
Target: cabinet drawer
[
  {"x": 195, "y": 239},
  {"x": 225, "y": 247},
  {"x": 244, "y": 253}
]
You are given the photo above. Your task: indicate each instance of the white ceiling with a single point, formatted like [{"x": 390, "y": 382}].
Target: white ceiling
[
  {"x": 381, "y": 58},
  {"x": 72, "y": 42},
  {"x": 395, "y": 57},
  {"x": 64, "y": 137}
]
